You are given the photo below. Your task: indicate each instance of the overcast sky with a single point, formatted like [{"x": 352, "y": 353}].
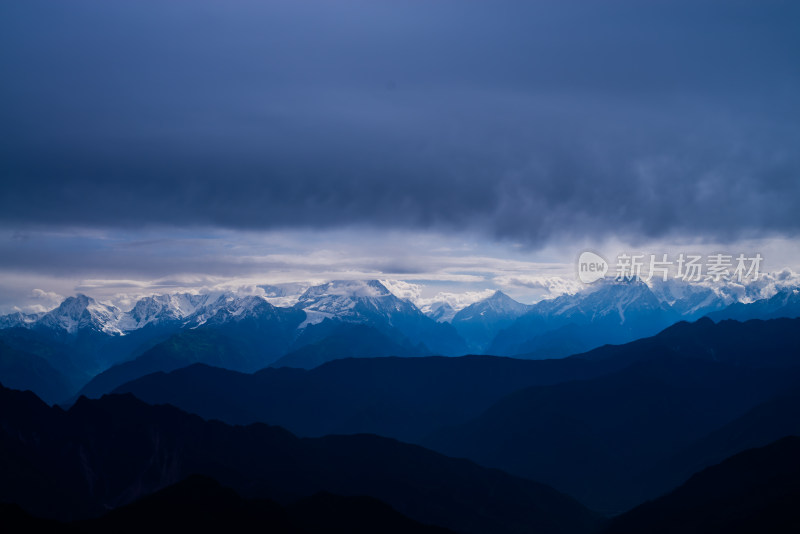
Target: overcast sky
[{"x": 157, "y": 144}]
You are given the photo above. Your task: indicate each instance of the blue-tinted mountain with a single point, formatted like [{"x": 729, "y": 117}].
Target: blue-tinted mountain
[
  {"x": 241, "y": 334},
  {"x": 87, "y": 341},
  {"x": 370, "y": 303},
  {"x": 204, "y": 345},
  {"x": 19, "y": 319},
  {"x": 596, "y": 439},
  {"x": 480, "y": 322},
  {"x": 441, "y": 312},
  {"x": 403, "y": 398},
  {"x": 82, "y": 337},
  {"x": 692, "y": 300},
  {"x": 610, "y": 312},
  {"x": 765, "y": 423},
  {"x": 103, "y": 454},
  {"x": 409, "y": 398},
  {"x": 25, "y": 371},
  {"x": 358, "y": 319},
  {"x": 754, "y": 491},
  {"x": 338, "y": 340},
  {"x": 785, "y": 303}
]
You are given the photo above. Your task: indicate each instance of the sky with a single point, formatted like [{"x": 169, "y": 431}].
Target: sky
[{"x": 462, "y": 146}]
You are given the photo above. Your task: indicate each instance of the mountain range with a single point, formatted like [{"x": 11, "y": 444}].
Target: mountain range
[
  {"x": 107, "y": 453},
  {"x": 612, "y": 428},
  {"x": 84, "y": 340},
  {"x": 624, "y": 411}
]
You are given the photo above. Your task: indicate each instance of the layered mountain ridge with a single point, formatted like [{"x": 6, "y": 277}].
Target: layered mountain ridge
[{"x": 83, "y": 338}]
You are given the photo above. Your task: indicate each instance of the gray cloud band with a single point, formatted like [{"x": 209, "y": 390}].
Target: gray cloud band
[{"x": 556, "y": 122}]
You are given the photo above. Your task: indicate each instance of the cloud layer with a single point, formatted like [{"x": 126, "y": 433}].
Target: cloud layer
[{"x": 531, "y": 122}]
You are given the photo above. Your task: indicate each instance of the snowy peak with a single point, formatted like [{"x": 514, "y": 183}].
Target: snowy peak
[
  {"x": 497, "y": 306},
  {"x": 502, "y": 303},
  {"x": 348, "y": 289},
  {"x": 16, "y": 319},
  {"x": 784, "y": 303},
  {"x": 441, "y": 312},
  {"x": 230, "y": 307},
  {"x": 160, "y": 309},
  {"x": 352, "y": 300},
  {"x": 340, "y": 296},
  {"x": 80, "y": 312},
  {"x": 609, "y": 298},
  {"x": 371, "y": 302}
]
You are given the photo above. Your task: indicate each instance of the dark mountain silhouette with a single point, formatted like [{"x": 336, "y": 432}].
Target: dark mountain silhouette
[
  {"x": 755, "y": 491},
  {"x": 201, "y": 504},
  {"x": 404, "y": 398},
  {"x": 594, "y": 439},
  {"x": 753, "y": 343},
  {"x": 409, "y": 398},
  {"x": 767, "y": 422},
  {"x": 106, "y": 453}
]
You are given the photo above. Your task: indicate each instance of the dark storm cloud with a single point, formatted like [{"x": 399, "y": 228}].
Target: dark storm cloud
[{"x": 526, "y": 120}]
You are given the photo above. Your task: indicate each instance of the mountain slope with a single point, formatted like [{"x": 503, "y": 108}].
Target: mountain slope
[
  {"x": 403, "y": 398},
  {"x": 677, "y": 387},
  {"x": 186, "y": 348},
  {"x": 201, "y": 504},
  {"x": 765, "y": 423},
  {"x": 610, "y": 312},
  {"x": 407, "y": 398},
  {"x": 109, "y": 452},
  {"x": 754, "y": 491},
  {"x": 785, "y": 303},
  {"x": 480, "y": 322},
  {"x": 370, "y": 303},
  {"x": 595, "y": 439},
  {"x": 345, "y": 341},
  {"x": 26, "y": 371}
]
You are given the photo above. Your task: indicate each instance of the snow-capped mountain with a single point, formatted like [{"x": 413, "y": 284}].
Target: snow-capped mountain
[
  {"x": 693, "y": 300},
  {"x": 497, "y": 324},
  {"x": 371, "y": 303},
  {"x": 784, "y": 303},
  {"x": 480, "y": 322},
  {"x": 81, "y": 312},
  {"x": 353, "y": 301},
  {"x": 441, "y": 312},
  {"x": 160, "y": 309},
  {"x": 498, "y": 306},
  {"x": 180, "y": 309},
  {"x": 19, "y": 319},
  {"x": 610, "y": 311},
  {"x": 83, "y": 337},
  {"x": 284, "y": 295},
  {"x": 232, "y": 308}
]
